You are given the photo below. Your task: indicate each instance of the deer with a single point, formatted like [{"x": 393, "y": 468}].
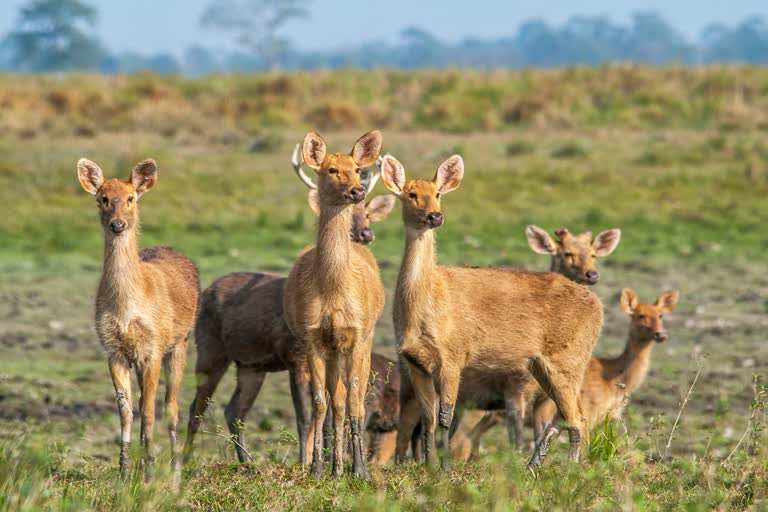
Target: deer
[
  {"x": 608, "y": 382},
  {"x": 504, "y": 321},
  {"x": 146, "y": 305},
  {"x": 334, "y": 297},
  {"x": 241, "y": 321},
  {"x": 572, "y": 256}
]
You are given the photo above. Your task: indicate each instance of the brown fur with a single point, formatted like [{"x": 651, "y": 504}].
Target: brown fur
[
  {"x": 609, "y": 381},
  {"x": 334, "y": 296},
  {"x": 573, "y": 256},
  {"x": 241, "y": 320},
  {"x": 146, "y": 305},
  {"x": 493, "y": 320}
]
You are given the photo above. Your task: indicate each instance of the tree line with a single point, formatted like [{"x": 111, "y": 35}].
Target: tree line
[{"x": 57, "y": 35}]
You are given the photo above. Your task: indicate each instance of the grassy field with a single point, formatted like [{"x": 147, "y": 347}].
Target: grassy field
[{"x": 687, "y": 186}]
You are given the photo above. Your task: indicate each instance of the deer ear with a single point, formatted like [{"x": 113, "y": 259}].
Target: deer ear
[
  {"x": 313, "y": 150},
  {"x": 667, "y": 301},
  {"x": 90, "y": 175},
  {"x": 628, "y": 300},
  {"x": 367, "y": 149},
  {"x": 380, "y": 206},
  {"x": 449, "y": 174},
  {"x": 144, "y": 176},
  {"x": 539, "y": 240},
  {"x": 392, "y": 174},
  {"x": 314, "y": 202},
  {"x": 606, "y": 242}
]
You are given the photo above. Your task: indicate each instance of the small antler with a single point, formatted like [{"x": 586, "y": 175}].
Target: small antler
[
  {"x": 296, "y": 161},
  {"x": 374, "y": 177},
  {"x": 561, "y": 232}
]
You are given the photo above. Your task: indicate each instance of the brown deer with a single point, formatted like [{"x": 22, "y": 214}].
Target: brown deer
[
  {"x": 333, "y": 298},
  {"x": 241, "y": 321},
  {"x": 489, "y": 319},
  {"x": 609, "y": 381},
  {"x": 146, "y": 306},
  {"x": 574, "y": 255}
]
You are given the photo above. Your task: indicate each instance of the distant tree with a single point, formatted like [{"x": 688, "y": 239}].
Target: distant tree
[
  {"x": 748, "y": 42},
  {"x": 652, "y": 40},
  {"x": 255, "y": 24},
  {"x": 199, "y": 61},
  {"x": 53, "y": 35}
]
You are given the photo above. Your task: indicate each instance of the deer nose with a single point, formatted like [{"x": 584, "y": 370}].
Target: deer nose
[
  {"x": 592, "y": 276},
  {"x": 117, "y": 226},
  {"x": 660, "y": 336},
  {"x": 366, "y": 235},
  {"x": 357, "y": 194},
  {"x": 435, "y": 219}
]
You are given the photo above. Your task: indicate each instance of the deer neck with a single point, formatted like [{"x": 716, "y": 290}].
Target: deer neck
[
  {"x": 121, "y": 277},
  {"x": 634, "y": 362},
  {"x": 334, "y": 247},
  {"x": 418, "y": 271}
]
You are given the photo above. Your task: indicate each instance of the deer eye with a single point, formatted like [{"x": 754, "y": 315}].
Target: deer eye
[
  {"x": 333, "y": 170},
  {"x": 105, "y": 200},
  {"x": 438, "y": 195},
  {"x": 357, "y": 170},
  {"x": 640, "y": 317},
  {"x": 130, "y": 199},
  {"x": 568, "y": 254},
  {"x": 661, "y": 316},
  {"x": 412, "y": 195}
]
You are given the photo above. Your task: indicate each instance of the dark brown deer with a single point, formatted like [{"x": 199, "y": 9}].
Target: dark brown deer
[
  {"x": 146, "y": 306},
  {"x": 448, "y": 319},
  {"x": 333, "y": 298},
  {"x": 241, "y": 321}
]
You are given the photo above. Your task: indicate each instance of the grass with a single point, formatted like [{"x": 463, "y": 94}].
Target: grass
[{"x": 666, "y": 155}]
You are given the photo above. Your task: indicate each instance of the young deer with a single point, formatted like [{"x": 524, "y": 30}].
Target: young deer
[
  {"x": 489, "y": 319},
  {"x": 574, "y": 255},
  {"x": 145, "y": 306},
  {"x": 333, "y": 298},
  {"x": 609, "y": 381},
  {"x": 241, "y": 321}
]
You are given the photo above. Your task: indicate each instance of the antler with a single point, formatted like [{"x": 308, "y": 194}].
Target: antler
[
  {"x": 296, "y": 161},
  {"x": 374, "y": 177}
]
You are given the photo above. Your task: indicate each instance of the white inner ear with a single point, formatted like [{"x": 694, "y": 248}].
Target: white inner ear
[
  {"x": 393, "y": 174},
  {"x": 313, "y": 150}
]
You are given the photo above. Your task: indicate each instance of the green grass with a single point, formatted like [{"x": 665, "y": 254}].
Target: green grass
[{"x": 652, "y": 157}]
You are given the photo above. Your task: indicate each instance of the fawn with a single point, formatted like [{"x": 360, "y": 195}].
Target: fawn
[
  {"x": 489, "y": 319},
  {"x": 241, "y": 320},
  {"x": 609, "y": 381},
  {"x": 146, "y": 306},
  {"x": 333, "y": 298}
]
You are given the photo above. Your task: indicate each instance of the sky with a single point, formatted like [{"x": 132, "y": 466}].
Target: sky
[{"x": 151, "y": 26}]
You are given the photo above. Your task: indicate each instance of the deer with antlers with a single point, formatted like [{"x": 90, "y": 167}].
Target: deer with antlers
[
  {"x": 146, "y": 306},
  {"x": 333, "y": 298},
  {"x": 241, "y": 321},
  {"x": 448, "y": 319}
]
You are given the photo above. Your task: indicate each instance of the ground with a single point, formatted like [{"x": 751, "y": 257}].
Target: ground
[{"x": 690, "y": 201}]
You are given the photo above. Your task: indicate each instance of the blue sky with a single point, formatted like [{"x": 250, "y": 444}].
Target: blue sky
[{"x": 150, "y": 26}]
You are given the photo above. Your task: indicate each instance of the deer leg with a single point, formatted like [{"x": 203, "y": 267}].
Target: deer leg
[
  {"x": 300, "y": 393},
  {"x": 121, "y": 379},
  {"x": 174, "y": 373},
  {"x": 208, "y": 377},
  {"x": 248, "y": 387},
  {"x": 317, "y": 366},
  {"x": 410, "y": 415},
  {"x": 486, "y": 423},
  {"x": 338, "y": 394},
  {"x": 328, "y": 438},
  {"x": 360, "y": 364},
  {"x": 386, "y": 443},
  {"x": 149, "y": 378},
  {"x": 449, "y": 390},
  {"x": 424, "y": 389}
]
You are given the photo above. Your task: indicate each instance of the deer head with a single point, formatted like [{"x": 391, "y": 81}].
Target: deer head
[
  {"x": 647, "y": 322},
  {"x": 363, "y": 214},
  {"x": 574, "y": 255},
  {"x": 339, "y": 175},
  {"x": 116, "y": 199},
  {"x": 421, "y": 198}
]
